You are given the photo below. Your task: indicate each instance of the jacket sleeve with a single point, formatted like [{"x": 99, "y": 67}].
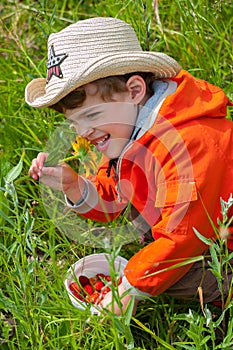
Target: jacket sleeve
[
  {"x": 102, "y": 203},
  {"x": 152, "y": 270}
]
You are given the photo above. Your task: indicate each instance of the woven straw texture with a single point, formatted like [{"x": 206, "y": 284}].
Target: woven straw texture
[{"x": 89, "y": 50}]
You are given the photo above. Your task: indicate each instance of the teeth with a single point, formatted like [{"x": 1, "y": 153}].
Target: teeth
[{"x": 102, "y": 141}]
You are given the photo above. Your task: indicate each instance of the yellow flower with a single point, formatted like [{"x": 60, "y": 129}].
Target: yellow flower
[
  {"x": 89, "y": 163},
  {"x": 87, "y": 158},
  {"x": 81, "y": 146}
]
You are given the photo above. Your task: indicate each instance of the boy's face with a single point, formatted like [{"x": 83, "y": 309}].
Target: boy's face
[{"x": 107, "y": 125}]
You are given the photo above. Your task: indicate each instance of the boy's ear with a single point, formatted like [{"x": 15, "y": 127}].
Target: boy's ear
[{"x": 137, "y": 87}]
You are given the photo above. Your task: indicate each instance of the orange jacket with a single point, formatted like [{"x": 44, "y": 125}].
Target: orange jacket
[{"x": 178, "y": 170}]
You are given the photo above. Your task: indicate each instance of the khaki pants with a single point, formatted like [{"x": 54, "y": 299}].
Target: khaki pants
[{"x": 200, "y": 276}]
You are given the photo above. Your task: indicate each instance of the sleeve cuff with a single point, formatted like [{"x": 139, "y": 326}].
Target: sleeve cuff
[
  {"x": 88, "y": 200},
  {"x": 138, "y": 294}
]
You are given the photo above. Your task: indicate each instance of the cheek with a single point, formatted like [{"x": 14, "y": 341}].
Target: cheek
[
  {"x": 131, "y": 110},
  {"x": 124, "y": 112},
  {"x": 122, "y": 133},
  {"x": 129, "y": 117}
]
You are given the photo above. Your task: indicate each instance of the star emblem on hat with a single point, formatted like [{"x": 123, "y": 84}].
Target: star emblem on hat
[{"x": 53, "y": 64}]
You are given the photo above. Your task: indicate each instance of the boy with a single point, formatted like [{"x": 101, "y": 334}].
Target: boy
[{"x": 167, "y": 142}]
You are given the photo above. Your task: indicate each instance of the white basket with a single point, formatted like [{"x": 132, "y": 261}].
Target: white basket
[{"x": 90, "y": 266}]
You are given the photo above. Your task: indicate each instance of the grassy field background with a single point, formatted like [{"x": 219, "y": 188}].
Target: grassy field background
[{"x": 35, "y": 309}]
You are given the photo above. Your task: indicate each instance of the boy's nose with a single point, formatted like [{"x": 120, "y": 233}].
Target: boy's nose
[{"x": 86, "y": 132}]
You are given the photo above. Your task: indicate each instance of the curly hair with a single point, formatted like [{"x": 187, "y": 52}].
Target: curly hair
[{"x": 106, "y": 87}]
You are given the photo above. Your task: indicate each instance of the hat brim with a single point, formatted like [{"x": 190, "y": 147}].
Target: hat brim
[{"x": 162, "y": 65}]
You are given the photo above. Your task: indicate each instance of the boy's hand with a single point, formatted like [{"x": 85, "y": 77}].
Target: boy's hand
[
  {"x": 37, "y": 165},
  {"x": 107, "y": 301},
  {"x": 61, "y": 177}
]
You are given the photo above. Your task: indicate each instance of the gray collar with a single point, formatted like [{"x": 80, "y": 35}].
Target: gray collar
[{"x": 159, "y": 88}]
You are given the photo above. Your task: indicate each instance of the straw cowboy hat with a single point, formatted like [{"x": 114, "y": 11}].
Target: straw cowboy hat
[{"x": 89, "y": 50}]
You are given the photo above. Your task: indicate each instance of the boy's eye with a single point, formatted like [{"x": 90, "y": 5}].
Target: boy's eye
[{"x": 92, "y": 115}]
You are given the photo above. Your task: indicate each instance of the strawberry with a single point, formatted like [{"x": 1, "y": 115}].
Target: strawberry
[
  {"x": 93, "y": 298},
  {"x": 78, "y": 296},
  {"x": 105, "y": 290},
  {"x": 76, "y": 291},
  {"x": 93, "y": 280},
  {"x": 120, "y": 281},
  {"x": 88, "y": 289},
  {"x": 74, "y": 287},
  {"x": 92, "y": 290},
  {"x": 98, "y": 285},
  {"x": 83, "y": 280}
]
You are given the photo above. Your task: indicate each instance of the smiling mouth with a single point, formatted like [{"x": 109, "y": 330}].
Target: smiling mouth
[{"x": 101, "y": 141}]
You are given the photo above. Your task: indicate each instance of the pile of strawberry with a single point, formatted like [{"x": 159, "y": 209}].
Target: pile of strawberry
[{"x": 93, "y": 289}]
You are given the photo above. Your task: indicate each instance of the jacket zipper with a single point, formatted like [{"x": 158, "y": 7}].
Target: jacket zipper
[{"x": 117, "y": 170}]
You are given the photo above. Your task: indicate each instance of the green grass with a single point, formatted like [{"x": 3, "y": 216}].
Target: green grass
[{"x": 35, "y": 309}]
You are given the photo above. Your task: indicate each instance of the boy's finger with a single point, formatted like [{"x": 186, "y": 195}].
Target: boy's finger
[
  {"x": 33, "y": 174},
  {"x": 51, "y": 171},
  {"x": 33, "y": 171}
]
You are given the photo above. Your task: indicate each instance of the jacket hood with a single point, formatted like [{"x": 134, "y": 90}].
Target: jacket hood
[{"x": 194, "y": 98}]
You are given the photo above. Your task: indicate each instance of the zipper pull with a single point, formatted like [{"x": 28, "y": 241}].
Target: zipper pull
[{"x": 118, "y": 194}]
